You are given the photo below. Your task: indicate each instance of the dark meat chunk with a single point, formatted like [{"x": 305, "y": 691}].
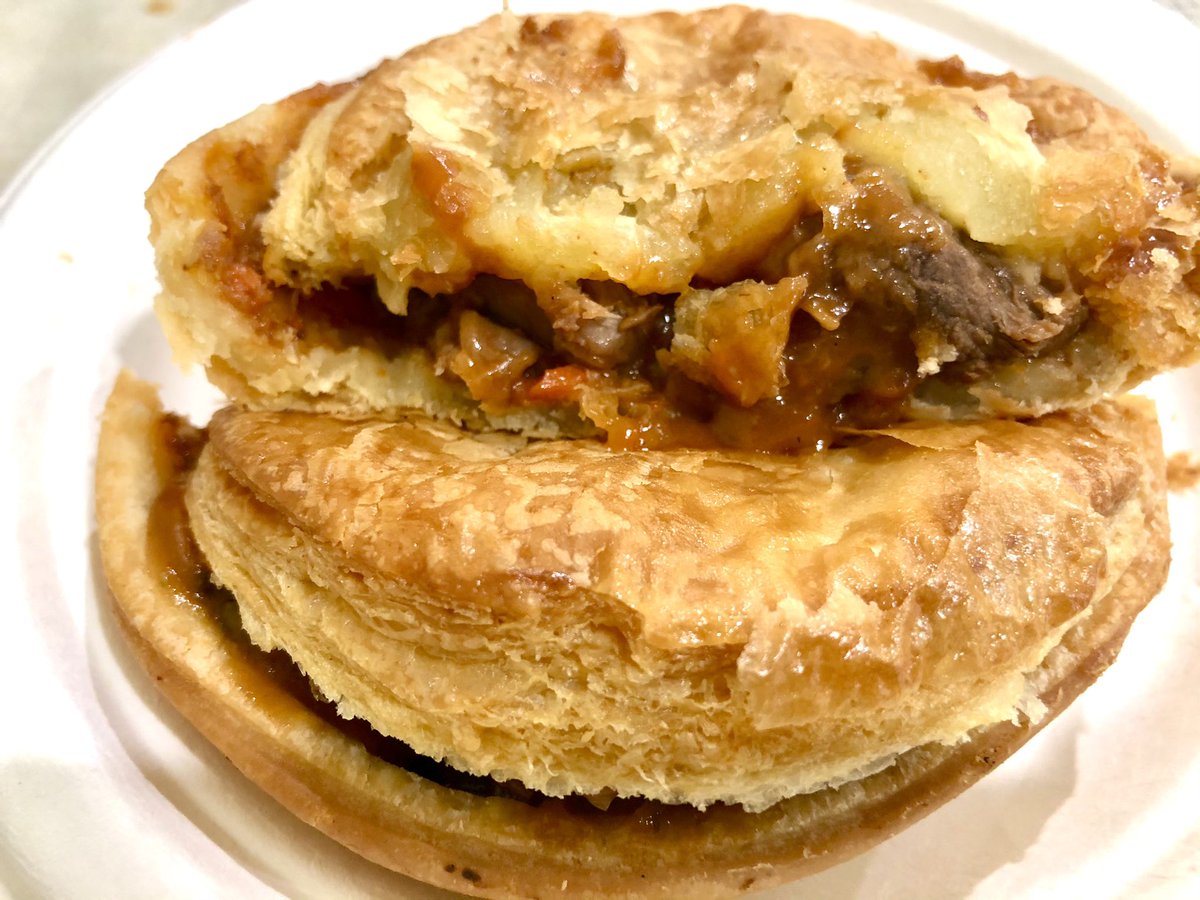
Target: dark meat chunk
[
  {"x": 601, "y": 324},
  {"x": 969, "y": 306},
  {"x": 510, "y": 303},
  {"x": 970, "y": 301}
]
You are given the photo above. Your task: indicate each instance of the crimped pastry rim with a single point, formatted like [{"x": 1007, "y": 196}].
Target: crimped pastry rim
[{"x": 437, "y": 834}]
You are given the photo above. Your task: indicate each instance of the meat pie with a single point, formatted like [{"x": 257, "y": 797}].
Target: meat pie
[{"x": 858, "y": 316}]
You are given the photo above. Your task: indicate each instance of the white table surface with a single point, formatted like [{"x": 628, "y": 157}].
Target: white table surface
[{"x": 55, "y": 55}]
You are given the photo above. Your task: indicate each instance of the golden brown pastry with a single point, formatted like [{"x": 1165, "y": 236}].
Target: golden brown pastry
[
  {"x": 727, "y": 228},
  {"x": 733, "y": 631},
  {"x": 688, "y": 626}
]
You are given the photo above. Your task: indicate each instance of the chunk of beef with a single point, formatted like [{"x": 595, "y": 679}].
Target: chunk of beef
[
  {"x": 968, "y": 300},
  {"x": 969, "y": 306},
  {"x": 601, "y": 324}
]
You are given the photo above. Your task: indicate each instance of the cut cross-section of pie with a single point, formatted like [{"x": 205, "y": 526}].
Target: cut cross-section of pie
[{"x": 722, "y": 229}]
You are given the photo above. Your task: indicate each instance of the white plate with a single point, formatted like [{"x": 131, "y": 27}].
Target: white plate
[{"x": 106, "y": 791}]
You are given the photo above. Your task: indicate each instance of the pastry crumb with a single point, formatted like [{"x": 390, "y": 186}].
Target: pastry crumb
[{"x": 1183, "y": 471}]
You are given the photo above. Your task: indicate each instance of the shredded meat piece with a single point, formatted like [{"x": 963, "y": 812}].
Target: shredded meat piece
[
  {"x": 968, "y": 306},
  {"x": 601, "y": 324},
  {"x": 491, "y": 358},
  {"x": 984, "y": 311}
]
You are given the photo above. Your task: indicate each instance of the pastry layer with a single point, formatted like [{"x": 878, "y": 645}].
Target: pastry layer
[
  {"x": 687, "y": 626},
  {"x": 719, "y": 229},
  {"x": 494, "y": 846}
]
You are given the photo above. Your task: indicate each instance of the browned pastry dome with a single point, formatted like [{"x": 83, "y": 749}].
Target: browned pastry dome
[
  {"x": 1097, "y": 475},
  {"x": 688, "y": 626},
  {"x": 720, "y": 229}
]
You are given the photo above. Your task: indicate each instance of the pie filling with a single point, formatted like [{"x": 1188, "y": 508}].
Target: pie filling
[{"x": 835, "y": 328}]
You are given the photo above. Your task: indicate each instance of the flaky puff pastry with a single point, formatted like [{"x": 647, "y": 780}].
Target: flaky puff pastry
[
  {"x": 1098, "y": 468},
  {"x": 1044, "y": 256},
  {"x": 687, "y": 626}
]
